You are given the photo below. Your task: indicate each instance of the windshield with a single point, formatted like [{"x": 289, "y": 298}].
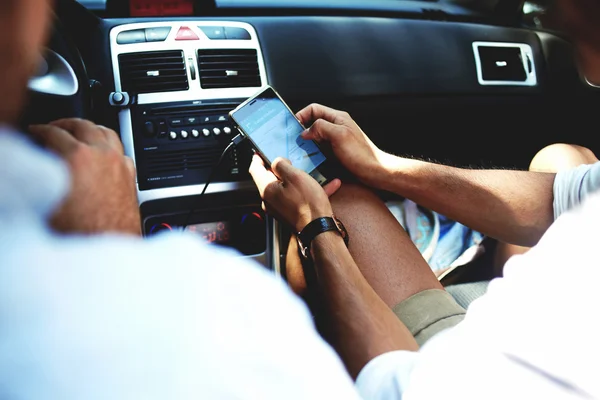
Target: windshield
[{"x": 483, "y": 5}]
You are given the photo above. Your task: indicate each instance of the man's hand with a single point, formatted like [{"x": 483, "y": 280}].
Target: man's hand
[
  {"x": 103, "y": 196},
  {"x": 349, "y": 143},
  {"x": 291, "y": 195}
]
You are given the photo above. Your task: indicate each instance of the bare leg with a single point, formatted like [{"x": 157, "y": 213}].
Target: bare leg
[
  {"x": 553, "y": 158},
  {"x": 380, "y": 247}
]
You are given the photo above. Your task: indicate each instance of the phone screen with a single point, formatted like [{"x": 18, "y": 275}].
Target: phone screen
[{"x": 275, "y": 132}]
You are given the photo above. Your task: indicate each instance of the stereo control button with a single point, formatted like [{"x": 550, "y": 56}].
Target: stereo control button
[
  {"x": 216, "y": 131},
  {"x": 227, "y": 130},
  {"x": 205, "y": 132},
  {"x": 173, "y": 135},
  {"x": 184, "y": 134},
  {"x": 130, "y": 37},
  {"x": 232, "y": 33},
  {"x": 213, "y": 32},
  {"x": 149, "y": 129},
  {"x": 157, "y": 34},
  {"x": 195, "y": 133},
  {"x": 162, "y": 128}
]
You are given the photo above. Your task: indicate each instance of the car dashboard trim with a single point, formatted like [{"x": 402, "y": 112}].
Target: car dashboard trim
[{"x": 194, "y": 92}]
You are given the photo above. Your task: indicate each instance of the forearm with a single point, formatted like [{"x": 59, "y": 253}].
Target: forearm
[
  {"x": 512, "y": 206},
  {"x": 362, "y": 325}
]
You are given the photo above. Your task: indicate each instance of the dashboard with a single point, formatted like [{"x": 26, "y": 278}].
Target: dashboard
[
  {"x": 174, "y": 86},
  {"x": 455, "y": 92},
  {"x": 186, "y": 77}
]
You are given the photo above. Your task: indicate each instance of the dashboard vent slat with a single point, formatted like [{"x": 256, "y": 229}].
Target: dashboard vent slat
[
  {"x": 155, "y": 71},
  {"x": 228, "y": 68}
]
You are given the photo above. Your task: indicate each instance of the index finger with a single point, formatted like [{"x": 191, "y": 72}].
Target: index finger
[
  {"x": 317, "y": 111},
  {"x": 262, "y": 178},
  {"x": 54, "y": 138},
  {"x": 81, "y": 129}
]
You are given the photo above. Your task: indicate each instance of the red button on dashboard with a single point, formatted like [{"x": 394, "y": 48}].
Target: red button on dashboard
[{"x": 186, "y": 33}]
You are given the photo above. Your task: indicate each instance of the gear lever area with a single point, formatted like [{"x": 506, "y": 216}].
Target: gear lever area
[
  {"x": 231, "y": 219},
  {"x": 243, "y": 228}
]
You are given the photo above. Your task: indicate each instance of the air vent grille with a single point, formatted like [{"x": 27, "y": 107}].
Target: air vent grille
[
  {"x": 502, "y": 64},
  {"x": 228, "y": 68},
  {"x": 152, "y": 72},
  {"x": 183, "y": 160},
  {"x": 509, "y": 64}
]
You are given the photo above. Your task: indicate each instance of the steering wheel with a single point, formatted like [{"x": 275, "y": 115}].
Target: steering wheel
[{"x": 60, "y": 88}]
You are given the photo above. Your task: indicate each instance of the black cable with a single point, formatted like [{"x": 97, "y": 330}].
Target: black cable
[{"x": 234, "y": 142}]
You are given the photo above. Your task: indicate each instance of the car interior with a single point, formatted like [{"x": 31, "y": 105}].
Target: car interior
[{"x": 473, "y": 83}]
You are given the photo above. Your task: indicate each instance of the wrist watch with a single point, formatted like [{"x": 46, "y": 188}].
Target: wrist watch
[{"x": 315, "y": 228}]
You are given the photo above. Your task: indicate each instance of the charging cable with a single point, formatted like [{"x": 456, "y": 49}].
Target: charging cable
[{"x": 234, "y": 142}]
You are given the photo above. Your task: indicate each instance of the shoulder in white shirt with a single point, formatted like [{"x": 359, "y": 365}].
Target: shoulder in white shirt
[
  {"x": 572, "y": 186},
  {"x": 121, "y": 318},
  {"x": 534, "y": 335}
]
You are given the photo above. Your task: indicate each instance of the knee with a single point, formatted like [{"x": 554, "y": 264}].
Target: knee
[{"x": 559, "y": 157}]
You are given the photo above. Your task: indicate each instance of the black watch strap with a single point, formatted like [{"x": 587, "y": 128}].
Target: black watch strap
[{"x": 315, "y": 228}]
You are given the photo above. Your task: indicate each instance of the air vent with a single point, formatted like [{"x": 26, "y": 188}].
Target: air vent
[
  {"x": 183, "y": 160},
  {"x": 152, "y": 72},
  {"x": 228, "y": 68},
  {"x": 504, "y": 64}
]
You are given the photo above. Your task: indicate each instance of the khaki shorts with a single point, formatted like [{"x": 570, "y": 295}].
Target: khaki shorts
[{"x": 429, "y": 312}]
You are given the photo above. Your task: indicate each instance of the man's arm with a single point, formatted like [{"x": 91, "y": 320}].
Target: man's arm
[
  {"x": 363, "y": 326},
  {"x": 513, "y": 206}
]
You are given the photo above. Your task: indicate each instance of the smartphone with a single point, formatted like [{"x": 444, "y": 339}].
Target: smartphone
[{"x": 274, "y": 131}]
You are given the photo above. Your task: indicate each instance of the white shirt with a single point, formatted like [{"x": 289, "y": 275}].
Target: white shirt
[
  {"x": 534, "y": 335},
  {"x": 122, "y": 318},
  {"x": 572, "y": 186}
]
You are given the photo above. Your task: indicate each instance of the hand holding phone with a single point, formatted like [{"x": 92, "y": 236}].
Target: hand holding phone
[
  {"x": 291, "y": 195},
  {"x": 275, "y": 132},
  {"x": 357, "y": 155}
]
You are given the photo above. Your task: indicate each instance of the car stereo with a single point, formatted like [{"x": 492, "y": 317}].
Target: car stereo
[{"x": 179, "y": 144}]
